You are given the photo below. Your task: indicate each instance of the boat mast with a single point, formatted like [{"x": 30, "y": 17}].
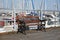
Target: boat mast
[
  {"x": 13, "y": 12},
  {"x": 33, "y": 6}
]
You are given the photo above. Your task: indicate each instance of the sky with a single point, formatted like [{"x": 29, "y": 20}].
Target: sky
[{"x": 27, "y": 4}]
